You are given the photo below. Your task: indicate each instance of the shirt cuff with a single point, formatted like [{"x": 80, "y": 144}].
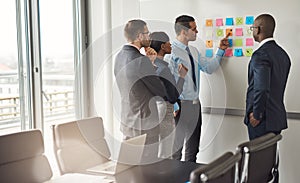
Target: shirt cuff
[
  {"x": 176, "y": 107},
  {"x": 220, "y": 52}
]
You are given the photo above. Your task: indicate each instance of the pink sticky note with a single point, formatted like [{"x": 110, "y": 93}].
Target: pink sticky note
[
  {"x": 239, "y": 31},
  {"x": 228, "y": 52},
  {"x": 249, "y": 42},
  {"x": 219, "y": 22}
]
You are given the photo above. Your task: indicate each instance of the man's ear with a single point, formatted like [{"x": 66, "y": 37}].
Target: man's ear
[
  {"x": 183, "y": 32},
  {"x": 139, "y": 37},
  {"x": 162, "y": 46}
]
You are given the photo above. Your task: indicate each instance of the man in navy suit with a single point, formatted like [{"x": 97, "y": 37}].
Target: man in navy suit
[{"x": 267, "y": 77}]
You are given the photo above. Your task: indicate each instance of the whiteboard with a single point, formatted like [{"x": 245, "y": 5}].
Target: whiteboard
[
  {"x": 231, "y": 80},
  {"x": 226, "y": 88}
]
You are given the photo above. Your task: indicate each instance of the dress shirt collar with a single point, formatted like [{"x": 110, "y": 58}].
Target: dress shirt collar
[
  {"x": 179, "y": 44},
  {"x": 264, "y": 41},
  {"x": 130, "y": 44}
]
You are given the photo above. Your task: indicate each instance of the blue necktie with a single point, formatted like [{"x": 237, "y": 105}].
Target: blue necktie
[{"x": 193, "y": 67}]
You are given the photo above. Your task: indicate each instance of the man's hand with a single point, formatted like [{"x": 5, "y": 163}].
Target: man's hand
[
  {"x": 224, "y": 44},
  {"x": 151, "y": 53},
  {"x": 175, "y": 113},
  {"x": 254, "y": 122},
  {"x": 182, "y": 70}
]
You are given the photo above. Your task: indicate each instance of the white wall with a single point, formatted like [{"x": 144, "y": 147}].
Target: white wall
[
  {"x": 224, "y": 133},
  {"x": 219, "y": 133}
]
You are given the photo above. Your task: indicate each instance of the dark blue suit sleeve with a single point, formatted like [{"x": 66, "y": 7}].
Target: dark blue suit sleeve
[
  {"x": 173, "y": 89},
  {"x": 151, "y": 80},
  {"x": 262, "y": 79}
]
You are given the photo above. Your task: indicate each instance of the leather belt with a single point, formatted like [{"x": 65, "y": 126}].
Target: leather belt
[{"x": 196, "y": 101}]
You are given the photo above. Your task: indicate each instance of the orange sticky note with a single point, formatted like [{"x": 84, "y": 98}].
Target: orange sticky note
[
  {"x": 209, "y": 23},
  {"x": 209, "y": 43},
  {"x": 229, "y": 31}
]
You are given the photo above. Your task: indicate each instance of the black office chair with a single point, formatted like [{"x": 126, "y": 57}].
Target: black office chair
[
  {"x": 222, "y": 170},
  {"x": 259, "y": 159}
]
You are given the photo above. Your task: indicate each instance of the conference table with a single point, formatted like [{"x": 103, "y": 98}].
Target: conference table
[{"x": 164, "y": 171}]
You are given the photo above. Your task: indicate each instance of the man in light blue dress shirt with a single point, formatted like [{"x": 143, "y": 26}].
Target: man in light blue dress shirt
[{"x": 188, "y": 120}]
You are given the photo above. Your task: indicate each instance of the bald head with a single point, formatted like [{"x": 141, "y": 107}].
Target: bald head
[{"x": 266, "y": 23}]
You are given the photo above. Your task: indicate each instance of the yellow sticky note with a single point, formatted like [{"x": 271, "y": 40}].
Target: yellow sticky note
[
  {"x": 239, "y": 21},
  {"x": 248, "y": 52},
  {"x": 220, "y": 32},
  {"x": 209, "y": 33},
  {"x": 238, "y": 42}
]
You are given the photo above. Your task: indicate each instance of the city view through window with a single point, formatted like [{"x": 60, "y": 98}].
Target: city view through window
[{"x": 57, "y": 54}]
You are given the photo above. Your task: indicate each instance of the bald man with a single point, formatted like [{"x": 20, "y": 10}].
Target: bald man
[{"x": 267, "y": 77}]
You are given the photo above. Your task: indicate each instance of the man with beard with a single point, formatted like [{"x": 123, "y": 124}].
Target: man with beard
[{"x": 139, "y": 88}]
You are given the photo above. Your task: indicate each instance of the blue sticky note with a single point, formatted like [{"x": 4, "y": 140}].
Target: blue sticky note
[
  {"x": 209, "y": 53},
  {"x": 249, "y": 20},
  {"x": 229, "y": 21},
  {"x": 230, "y": 42},
  {"x": 238, "y": 52}
]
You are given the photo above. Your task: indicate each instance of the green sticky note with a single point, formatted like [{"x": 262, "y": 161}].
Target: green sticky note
[
  {"x": 239, "y": 21},
  {"x": 238, "y": 42},
  {"x": 248, "y": 52},
  {"x": 220, "y": 32}
]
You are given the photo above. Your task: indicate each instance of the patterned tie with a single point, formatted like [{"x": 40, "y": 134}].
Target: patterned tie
[{"x": 193, "y": 67}]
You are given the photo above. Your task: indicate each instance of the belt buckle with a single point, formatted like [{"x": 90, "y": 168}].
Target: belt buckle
[{"x": 195, "y": 101}]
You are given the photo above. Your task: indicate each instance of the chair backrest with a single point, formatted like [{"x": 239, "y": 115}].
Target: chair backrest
[
  {"x": 79, "y": 145},
  {"x": 223, "y": 169},
  {"x": 22, "y": 158},
  {"x": 259, "y": 157}
]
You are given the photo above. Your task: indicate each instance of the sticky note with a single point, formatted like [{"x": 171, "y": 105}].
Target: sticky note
[
  {"x": 238, "y": 42},
  {"x": 248, "y": 32},
  {"x": 249, "y": 20},
  {"x": 209, "y": 43},
  {"x": 249, "y": 42},
  {"x": 230, "y": 42},
  {"x": 229, "y": 31},
  {"x": 239, "y": 21},
  {"x": 209, "y": 52},
  {"x": 239, "y": 31},
  {"x": 220, "y": 32},
  {"x": 238, "y": 52},
  {"x": 248, "y": 52},
  {"x": 209, "y": 33},
  {"x": 219, "y": 22},
  {"x": 229, "y": 21},
  {"x": 209, "y": 23},
  {"x": 228, "y": 52}
]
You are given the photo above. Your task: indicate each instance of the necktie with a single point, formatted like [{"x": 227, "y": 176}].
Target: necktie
[{"x": 193, "y": 67}]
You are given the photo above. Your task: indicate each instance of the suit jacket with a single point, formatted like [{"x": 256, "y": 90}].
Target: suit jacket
[
  {"x": 173, "y": 88},
  {"x": 138, "y": 85},
  {"x": 267, "y": 76}
]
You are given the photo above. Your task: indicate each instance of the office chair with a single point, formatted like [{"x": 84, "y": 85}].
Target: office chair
[
  {"x": 22, "y": 158},
  {"x": 79, "y": 145},
  {"x": 222, "y": 170},
  {"x": 259, "y": 158}
]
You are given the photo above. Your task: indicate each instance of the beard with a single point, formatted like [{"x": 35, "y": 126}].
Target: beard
[{"x": 145, "y": 43}]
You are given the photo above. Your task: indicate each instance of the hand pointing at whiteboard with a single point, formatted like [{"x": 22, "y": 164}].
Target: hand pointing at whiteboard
[{"x": 224, "y": 42}]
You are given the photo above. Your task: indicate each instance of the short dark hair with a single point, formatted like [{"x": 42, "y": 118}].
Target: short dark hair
[
  {"x": 133, "y": 28},
  {"x": 157, "y": 39},
  {"x": 183, "y": 23},
  {"x": 268, "y": 23}
]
